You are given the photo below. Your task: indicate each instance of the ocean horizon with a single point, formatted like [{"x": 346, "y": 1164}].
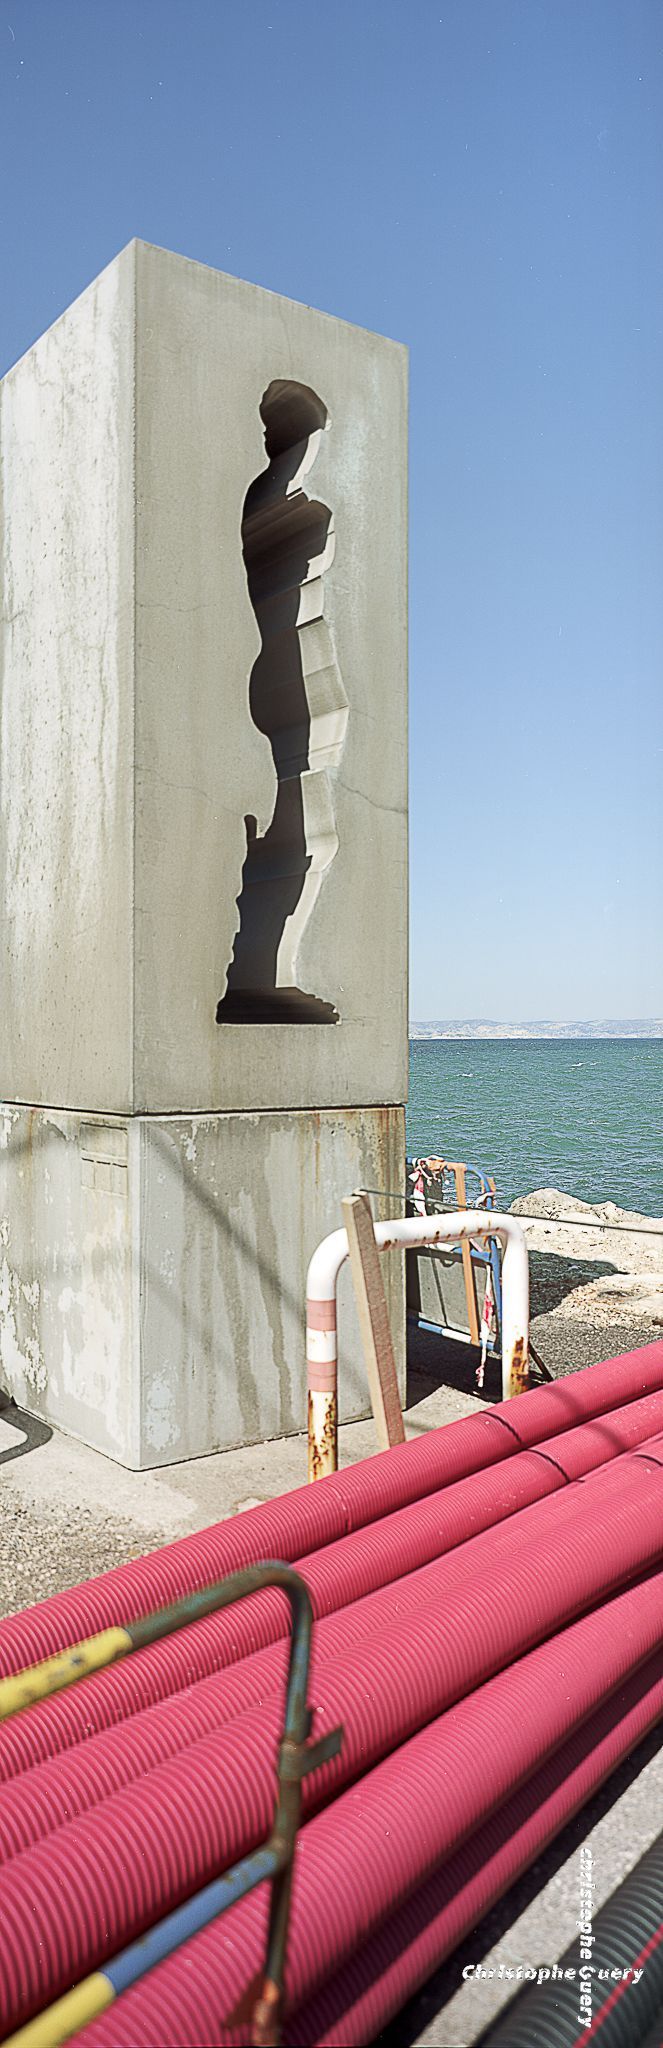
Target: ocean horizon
[
  {"x": 538, "y": 1027},
  {"x": 578, "y": 1113}
]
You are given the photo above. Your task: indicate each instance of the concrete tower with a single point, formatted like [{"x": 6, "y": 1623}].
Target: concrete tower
[{"x": 203, "y": 848}]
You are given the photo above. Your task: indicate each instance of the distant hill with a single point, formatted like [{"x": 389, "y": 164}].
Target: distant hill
[{"x": 541, "y": 1027}]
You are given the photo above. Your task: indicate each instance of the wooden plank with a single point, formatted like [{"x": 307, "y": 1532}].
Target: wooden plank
[
  {"x": 468, "y": 1269},
  {"x": 373, "y": 1321}
]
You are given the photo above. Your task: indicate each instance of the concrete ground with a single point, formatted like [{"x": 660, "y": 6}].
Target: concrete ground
[
  {"x": 69, "y": 1513},
  {"x": 536, "y": 1920}
]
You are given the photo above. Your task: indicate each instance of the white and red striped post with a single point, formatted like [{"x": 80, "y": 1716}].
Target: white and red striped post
[
  {"x": 410, "y": 1232},
  {"x": 322, "y": 1354}
]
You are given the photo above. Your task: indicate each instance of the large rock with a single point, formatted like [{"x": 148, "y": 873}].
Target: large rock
[{"x": 593, "y": 1261}]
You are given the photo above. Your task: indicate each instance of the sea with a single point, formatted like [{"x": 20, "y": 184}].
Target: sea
[{"x": 583, "y": 1115}]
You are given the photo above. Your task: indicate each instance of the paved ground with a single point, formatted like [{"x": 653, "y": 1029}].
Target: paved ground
[
  {"x": 536, "y": 1921},
  {"x": 68, "y": 1513}
]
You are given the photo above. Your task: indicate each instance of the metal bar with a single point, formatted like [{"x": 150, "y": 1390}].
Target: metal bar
[
  {"x": 92, "y": 1654},
  {"x": 497, "y": 1282},
  {"x": 88, "y": 1999},
  {"x": 322, "y": 1369},
  {"x": 273, "y": 1861},
  {"x": 468, "y": 1269},
  {"x": 297, "y": 1729},
  {"x": 40, "y": 1680},
  {"x": 560, "y": 1222},
  {"x": 412, "y": 1232}
]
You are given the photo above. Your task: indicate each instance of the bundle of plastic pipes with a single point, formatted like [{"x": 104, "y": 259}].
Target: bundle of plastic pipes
[{"x": 489, "y": 1631}]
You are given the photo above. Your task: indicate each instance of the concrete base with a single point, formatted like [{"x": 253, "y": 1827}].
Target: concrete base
[{"x": 153, "y": 1270}]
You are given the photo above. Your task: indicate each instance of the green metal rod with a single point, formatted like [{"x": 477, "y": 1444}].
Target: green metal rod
[{"x": 273, "y": 1861}]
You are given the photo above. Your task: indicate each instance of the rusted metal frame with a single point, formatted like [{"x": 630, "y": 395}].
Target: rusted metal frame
[
  {"x": 322, "y": 1354},
  {"x": 466, "y": 1256},
  {"x": 410, "y": 1233},
  {"x": 485, "y": 1199},
  {"x": 487, "y": 1185},
  {"x": 494, "y": 1256},
  {"x": 39, "y": 1681},
  {"x": 297, "y": 1756}
]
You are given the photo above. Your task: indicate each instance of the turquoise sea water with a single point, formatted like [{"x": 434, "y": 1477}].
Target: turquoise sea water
[{"x": 585, "y": 1115}]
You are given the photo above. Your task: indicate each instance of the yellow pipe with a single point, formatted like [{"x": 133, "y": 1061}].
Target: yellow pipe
[
  {"x": 68, "y": 2014},
  {"x": 42, "y": 1679}
]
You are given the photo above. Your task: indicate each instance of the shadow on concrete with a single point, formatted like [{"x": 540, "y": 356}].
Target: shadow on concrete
[
  {"x": 35, "y": 1433},
  {"x": 435, "y": 1360},
  {"x": 552, "y": 1278}
]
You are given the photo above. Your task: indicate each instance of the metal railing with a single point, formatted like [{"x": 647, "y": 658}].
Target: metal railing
[
  {"x": 410, "y": 1233},
  {"x": 273, "y": 1861}
]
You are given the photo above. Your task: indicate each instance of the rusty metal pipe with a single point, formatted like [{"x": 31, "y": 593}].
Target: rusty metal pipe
[
  {"x": 296, "y": 1758},
  {"x": 411, "y": 1233}
]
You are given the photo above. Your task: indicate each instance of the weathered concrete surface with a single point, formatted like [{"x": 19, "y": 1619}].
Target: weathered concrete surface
[
  {"x": 203, "y": 847},
  {"x": 68, "y": 1222},
  {"x": 208, "y": 348},
  {"x": 66, "y": 705},
  {"x": 153, "y": 1270},
  {"x": 167, "y": 549}
]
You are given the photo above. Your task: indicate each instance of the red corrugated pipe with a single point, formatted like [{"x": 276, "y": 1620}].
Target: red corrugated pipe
[
  {"x": 294, "y": 1525},
  {"x": 373, "y": 1847},
  {"x": 83, "y": 1891},
  {"x": 343, "y": 1572},
  {"x": 391, "y": 1967}
]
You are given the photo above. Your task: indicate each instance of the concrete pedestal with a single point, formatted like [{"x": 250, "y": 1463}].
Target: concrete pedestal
[
  {"x": 203, "y": 744},
  {"x": 203, "y": 845},
  {"x": 153, "y": 1271}
]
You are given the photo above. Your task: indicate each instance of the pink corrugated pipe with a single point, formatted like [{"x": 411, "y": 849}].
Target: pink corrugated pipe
[
  {"x": 76, "y": 1896},
  {"x": 311, "y": 1517},
  {"x": 347, "y": 1571},
  {"x": 377, "y": 1848}
]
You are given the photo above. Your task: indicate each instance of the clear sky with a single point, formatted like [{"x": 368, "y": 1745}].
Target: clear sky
[{"x": 482, "y": 179}]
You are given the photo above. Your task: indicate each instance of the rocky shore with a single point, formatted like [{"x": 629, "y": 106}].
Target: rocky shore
[{"x": 596, "y": 1277}]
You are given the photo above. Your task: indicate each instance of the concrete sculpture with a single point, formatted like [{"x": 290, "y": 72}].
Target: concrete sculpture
[{"x": 203, "y": 833}]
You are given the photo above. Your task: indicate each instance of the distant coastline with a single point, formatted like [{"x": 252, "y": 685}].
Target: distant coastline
[{"x": 541, "y": 1027}]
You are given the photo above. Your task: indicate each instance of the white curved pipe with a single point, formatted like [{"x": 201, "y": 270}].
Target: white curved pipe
[{"x": 410, "y": 1232}]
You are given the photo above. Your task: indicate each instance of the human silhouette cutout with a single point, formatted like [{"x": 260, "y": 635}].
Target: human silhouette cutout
[{"x": 287, "y": 542}]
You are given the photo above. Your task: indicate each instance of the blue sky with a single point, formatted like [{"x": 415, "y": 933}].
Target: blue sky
[{"x": 482, "y": 179}]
